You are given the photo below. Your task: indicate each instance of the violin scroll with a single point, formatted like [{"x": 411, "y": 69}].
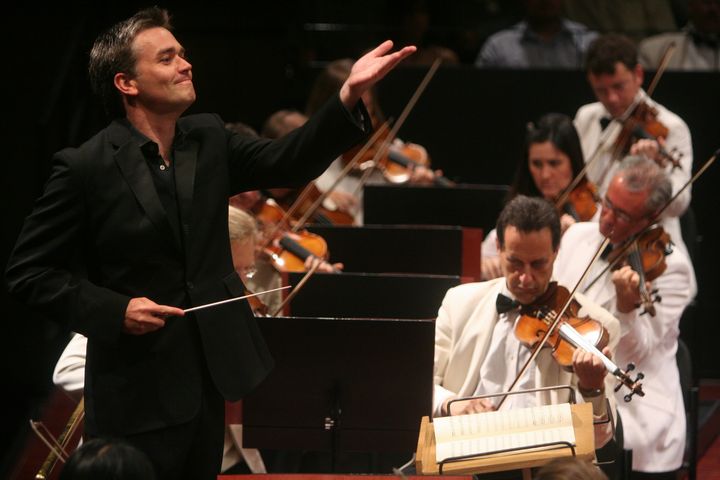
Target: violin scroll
[
  {"x": 633, "y": 385},
  {"x": 643, "y": 123},
  {"x": 575, "y": 332}
]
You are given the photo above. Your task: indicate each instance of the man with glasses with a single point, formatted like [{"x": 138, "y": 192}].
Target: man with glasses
[
  {"x": 654, "y": 425},
  {"x": 616, "y": 77}
]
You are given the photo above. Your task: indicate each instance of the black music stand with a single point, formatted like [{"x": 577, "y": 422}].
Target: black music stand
[
  {"x": 368, "y": 295},
  {"x": 463, "y": 205},
  {"x": 423, "y": 249},
  {"x": 342, "y": 385}
]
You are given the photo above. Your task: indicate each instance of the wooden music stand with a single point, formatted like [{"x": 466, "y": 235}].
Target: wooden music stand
[{"x": 585, "y": 448}]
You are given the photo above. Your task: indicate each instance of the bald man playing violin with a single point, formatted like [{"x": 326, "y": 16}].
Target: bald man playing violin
[
  {"x": 654, "y": 426},
  {"x": 476, "y": 350}
]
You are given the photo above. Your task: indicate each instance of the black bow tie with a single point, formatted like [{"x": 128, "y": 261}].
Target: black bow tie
[
  {"x": 505, "y": 304},
  {"x": 604, "y": 122}
]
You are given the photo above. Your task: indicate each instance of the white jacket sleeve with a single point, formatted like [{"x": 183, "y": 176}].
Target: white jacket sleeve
[{"x": 69, "y": 373}]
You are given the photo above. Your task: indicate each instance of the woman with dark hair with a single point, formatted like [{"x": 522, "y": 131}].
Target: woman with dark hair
[{"x": 553, "y": 158}]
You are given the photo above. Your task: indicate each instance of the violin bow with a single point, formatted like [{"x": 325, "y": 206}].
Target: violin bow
[
  {"x": 401, "y": 119},
  {"x": 610, "y": 131},
  {"x": 654, "y": 218},
  {"x": 345, "y": 171},
  {"x": 298, "y": 287},
  {"x": 58, "y": 446},
  {"x": 556, "y": 320},
  {"x": 379, "y": 154}
]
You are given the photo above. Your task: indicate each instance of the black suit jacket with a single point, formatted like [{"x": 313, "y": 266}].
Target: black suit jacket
[{"x": 99, "y": 236}]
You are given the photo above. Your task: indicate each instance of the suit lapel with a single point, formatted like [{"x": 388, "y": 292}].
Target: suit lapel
[{"x": 135, "y": 170}]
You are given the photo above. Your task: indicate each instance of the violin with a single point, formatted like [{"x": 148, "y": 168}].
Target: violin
[
  {"x": 581, "y": 202},
  {"x": 320, "y": 214},
  {"x": 571, "y": 332},
  {"x": 395, "y": 160},
  {"x": 535, "y": 320},
  {"x": 300, "y": 206},
  {"x": 646, "y": 256},
  {"x": 289, "y": 251},
  {"x": 643, "y": 123}
]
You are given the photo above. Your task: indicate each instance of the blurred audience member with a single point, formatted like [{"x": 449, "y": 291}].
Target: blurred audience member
[
  {"x": 543, "y": 39},
  {"x": 697, "y": 45}
]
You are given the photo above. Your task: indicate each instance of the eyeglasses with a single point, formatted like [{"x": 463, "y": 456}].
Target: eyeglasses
[{"x": 619, "y": 214}]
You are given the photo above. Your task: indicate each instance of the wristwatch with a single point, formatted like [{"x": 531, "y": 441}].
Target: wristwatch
[{"x": 591, "y": 392}]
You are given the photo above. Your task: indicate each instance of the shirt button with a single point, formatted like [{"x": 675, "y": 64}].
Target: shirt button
[{"x": 162, "y": 167}]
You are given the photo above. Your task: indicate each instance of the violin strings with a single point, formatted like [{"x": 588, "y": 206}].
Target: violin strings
[{"x": 653, "y": 219}]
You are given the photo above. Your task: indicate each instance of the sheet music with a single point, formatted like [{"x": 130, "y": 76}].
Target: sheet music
[{"x": 486, "y": 432}]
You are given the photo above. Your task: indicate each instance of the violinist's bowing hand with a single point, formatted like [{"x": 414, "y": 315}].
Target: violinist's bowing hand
[
  {"x": 423, "y": 175},
  {"x": 626, "y": 282},
  {"x": 142, "y": 316},
  {"x": 369, "y": 69},
  {"x": 590, "y": 369},
  {"x": 475, "y": 405},
  {"x": 650, "y": 149},
  {"x": 324, "y": 266},
  {"x": 343, "y": 201}
]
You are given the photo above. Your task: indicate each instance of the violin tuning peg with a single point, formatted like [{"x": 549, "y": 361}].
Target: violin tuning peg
[
  {"x": 628, "y": 397},
  {"x": 630, "y": 367},
  {"x": 639, "y": 376}
]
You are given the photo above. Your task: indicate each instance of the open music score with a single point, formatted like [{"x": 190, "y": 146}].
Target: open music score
[
  {"x": 435, "y": 455},
  {"x": 488, "y": 432}
]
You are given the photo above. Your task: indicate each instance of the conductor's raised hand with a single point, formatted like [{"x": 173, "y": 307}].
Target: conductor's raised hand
[
  {"x": 144, "y": 316},
  {"x": 369, "y": 69}
]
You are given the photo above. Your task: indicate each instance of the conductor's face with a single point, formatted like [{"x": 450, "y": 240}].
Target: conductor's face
[
  {"x": 527, "y": 262},
  {"x": 163, "y": 76}
]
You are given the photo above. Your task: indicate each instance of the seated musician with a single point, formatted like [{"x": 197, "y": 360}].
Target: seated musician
[
  {"x": 654, "y": 427},
  {"x": 254, "y": 267},
  {"x": 553, "y": 159},
  {"x": 616, "y": 78},
  {"x": 476, "y": 351},
  {"x": 326, "y": 85}
]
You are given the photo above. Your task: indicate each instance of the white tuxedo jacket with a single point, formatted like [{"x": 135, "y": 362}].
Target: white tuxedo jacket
[
  {"x": 463, "y": 333},
  {"x": 653, "y": 425}
]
